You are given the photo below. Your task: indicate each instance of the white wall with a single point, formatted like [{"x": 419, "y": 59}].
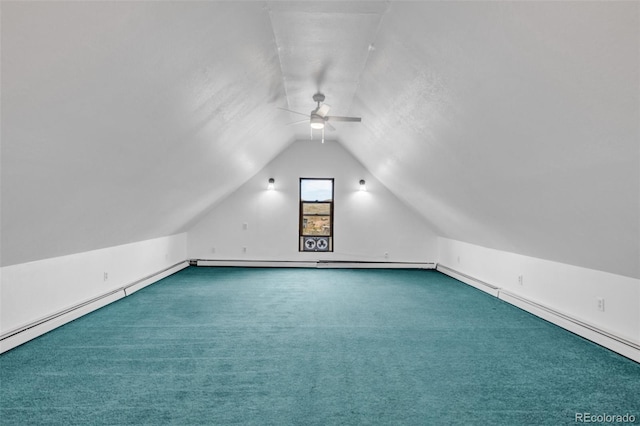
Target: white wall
[
  {"x": 34, "y": 290},
  {"x": 571, "y": 290},
  {"x": 366, "y": 224}
]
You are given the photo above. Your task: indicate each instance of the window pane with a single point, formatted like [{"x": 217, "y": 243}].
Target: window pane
[
  {"x": 316, "y": 225},
  {"x": 316, "y": 190},
  {"x": 316, "y": 208}
]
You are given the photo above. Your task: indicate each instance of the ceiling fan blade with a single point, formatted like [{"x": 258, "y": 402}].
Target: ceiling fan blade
[
  {"x": 329, "y": 126},
  {"x": 338, "y": 118},
  {"x": 323, "y": 110},
  {"x": 295, "y": 112},
  {"x": 298, "y": 122}
]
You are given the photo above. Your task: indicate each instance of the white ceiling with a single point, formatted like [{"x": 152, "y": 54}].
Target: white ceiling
[
  {"x": 323, "y": 47},
  {"x": 512, "y": 125}
]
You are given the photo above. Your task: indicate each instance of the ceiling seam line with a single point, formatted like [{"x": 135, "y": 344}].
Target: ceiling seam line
[
  {"x": 275, "y": 42},
  {"x": 371, "y": 48}
]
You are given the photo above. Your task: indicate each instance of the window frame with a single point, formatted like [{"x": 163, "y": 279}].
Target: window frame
[{"x": 301, "y": 216}]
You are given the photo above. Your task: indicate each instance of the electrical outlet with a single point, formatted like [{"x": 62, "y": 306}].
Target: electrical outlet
[
  {"x": 105, "y": 276},
  {"x": 386, "y": 254},
  {"x": 601, "y": 304},
  {"x": 520, "y": 280},
  {"x": 458, "y": 259},
  {"x": 213, "y": 249},
  {"x": 245, "y": 226},
  {"x": 244, "y": 249}
]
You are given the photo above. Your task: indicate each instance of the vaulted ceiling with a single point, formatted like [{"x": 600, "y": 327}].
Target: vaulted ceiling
[{"x": 512, "y": 125}]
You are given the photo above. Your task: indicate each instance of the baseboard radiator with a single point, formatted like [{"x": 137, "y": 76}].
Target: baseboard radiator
[
  {"x": 588, "y": 331},
  {"x": 313, "y": 264},
  {"x": 23, "y": 334}
]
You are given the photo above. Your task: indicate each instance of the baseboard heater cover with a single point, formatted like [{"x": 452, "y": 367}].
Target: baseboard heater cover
[
  {"x": 23, "y": 334},
  {"x": 472, "y": 281},
  {"x": 313, "y": 264},
  {"x": 590, "y": 332},
  {"x": 29, "y": 332},
  {"x": 602, "y": 337}
]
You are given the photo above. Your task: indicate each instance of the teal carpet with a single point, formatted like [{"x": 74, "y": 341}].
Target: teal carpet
[{"x": 226, "y": 346}]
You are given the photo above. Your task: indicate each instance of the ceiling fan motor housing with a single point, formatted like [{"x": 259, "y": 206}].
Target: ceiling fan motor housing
[{"x": 318, "y": 97}]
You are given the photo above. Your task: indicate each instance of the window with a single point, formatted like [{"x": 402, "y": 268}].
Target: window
[{"x": 316, "y": 214}]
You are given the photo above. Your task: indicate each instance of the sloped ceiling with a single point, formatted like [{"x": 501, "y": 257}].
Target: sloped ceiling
[
  {"x": 123, "y": 121},
  {"x": 512, "y": 125}
]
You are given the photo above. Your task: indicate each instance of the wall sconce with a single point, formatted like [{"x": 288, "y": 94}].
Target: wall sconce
[
  {"x": 272, "y": 183},
  {"x": 363, "y": 185}
]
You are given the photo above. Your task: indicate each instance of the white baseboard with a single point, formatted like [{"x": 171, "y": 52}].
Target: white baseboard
[
  {"x": 144, "y": 282},
  {"x": 590, "y": 332},
  {"x": 314, "y": 264},
  {"x": 254, "y": 263},
  {"x": 17, "y": 337},
  {"x": 473, "y": 282},
  {"x": 601, "y": 337},
  {"x": 377, "y": 265}
]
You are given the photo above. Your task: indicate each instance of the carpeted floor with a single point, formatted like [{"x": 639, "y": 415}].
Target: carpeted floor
[{"x": 227, "y": 346}]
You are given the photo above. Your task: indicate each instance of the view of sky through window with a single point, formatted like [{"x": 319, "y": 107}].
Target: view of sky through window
[{"x": 316, "y": 190}]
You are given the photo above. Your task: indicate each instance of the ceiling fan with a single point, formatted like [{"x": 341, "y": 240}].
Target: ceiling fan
[{"x": 318, "y": 119}]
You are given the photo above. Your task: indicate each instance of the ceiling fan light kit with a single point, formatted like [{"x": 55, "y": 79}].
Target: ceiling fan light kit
[{"x": 317, "y": 122}]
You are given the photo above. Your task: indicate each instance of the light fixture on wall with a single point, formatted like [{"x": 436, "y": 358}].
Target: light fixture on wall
[
  {"x": 363, "y": 185},
  {"x": 272, "y": 184}
]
